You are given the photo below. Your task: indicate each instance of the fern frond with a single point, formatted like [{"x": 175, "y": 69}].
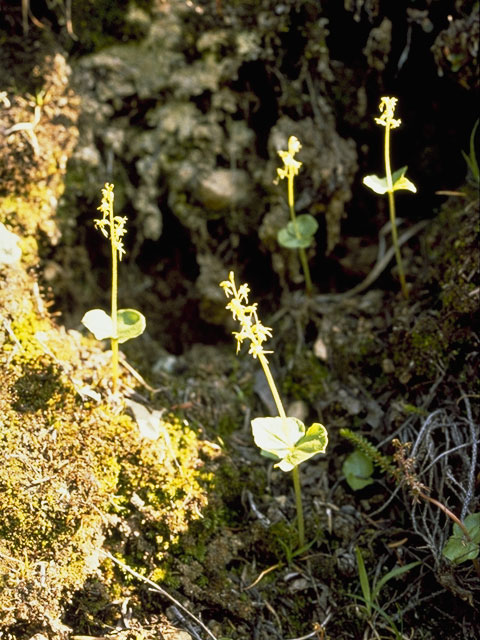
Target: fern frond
[{"x": 370, "y": 450}]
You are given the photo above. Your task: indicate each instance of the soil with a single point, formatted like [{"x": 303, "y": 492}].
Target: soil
[{"x": 150, "y": 514}]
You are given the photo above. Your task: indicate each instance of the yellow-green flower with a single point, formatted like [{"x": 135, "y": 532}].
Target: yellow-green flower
[
  {"x": 387, "y": 109},
  {"x": 291, "y": 166},
  {"x": 111, "y": 226},
  {"x": 251, "y": 327}
]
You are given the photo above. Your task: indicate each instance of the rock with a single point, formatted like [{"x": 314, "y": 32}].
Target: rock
[
  {"x": 10, "y": 252},
  {"x": 223, "y": 188},
  {"x": 298, "y": 409}
]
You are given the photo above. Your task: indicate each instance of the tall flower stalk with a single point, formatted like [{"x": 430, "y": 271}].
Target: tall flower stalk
[
  {"x": 392, "y": 181},
  {"x": 112, "y": 227},
  {"x": 122, "y": 324},
  {"x": 298, "y": 234},
  {"x": 387, "y": 106},
  {"x": 284, "y": 439}
]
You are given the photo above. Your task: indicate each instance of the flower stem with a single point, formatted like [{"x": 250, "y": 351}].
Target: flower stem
[
  {"x": 272, "y": 385},
  {"x": 298, "y": 501},
  {"x": 391, "y": 206},
  {"x": 301, "y": 251},
  {"x": 114, "y": 340}
]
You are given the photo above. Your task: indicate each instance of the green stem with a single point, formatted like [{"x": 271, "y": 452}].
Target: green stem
[
  {"x": 114, "y": 341},
  {"x": 306, "y": 272},
  {"x": 298, "y": 501},
  {"x": 391, "y": 206},
  {"x": 301, "y": 251},
  {"x": 272, "y": 385}
]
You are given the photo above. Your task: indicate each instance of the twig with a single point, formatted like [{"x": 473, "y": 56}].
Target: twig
[
  {"x": 159, "y": 589},
  {"x": 377, "y": 269},
  {"x": 471, "y": 475}
]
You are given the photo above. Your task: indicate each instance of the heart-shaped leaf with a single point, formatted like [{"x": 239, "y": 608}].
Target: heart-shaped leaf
[
  {"x": 298, "y": 234},
  {"x": 277, "y": 436},
  {"x": 99, "y": 323},
  {"x": 287, "y": 441},
  {"x": 357, "y": 469},
  {"x": 313, "y": 442},
  {"x": 399, "y": 182},
  {"x": 130, "y": 324}
]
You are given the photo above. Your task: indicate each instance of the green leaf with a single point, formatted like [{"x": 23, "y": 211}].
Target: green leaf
[
  {"x": 313, "y": 442},
  {"x": 394, "y": 573},
  {"x": 285, "y": 440},
  {"x": 298, "y": 234},
  {"x": 399, "y": 182},
  {"x": 364, "y": 583},
  {"x": 457, "y": 548},
  {"x": 471, "y": 159},
  {"x": 131, "y": 323},
  {"x": 99, "y": 323},
  {"x": 277, "y": 436},
  {"x": 357, "y": 469}
]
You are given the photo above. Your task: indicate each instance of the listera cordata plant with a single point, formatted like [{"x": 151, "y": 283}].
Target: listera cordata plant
[
  {"x": 298, "y": 233},
  {"x": 122, "y": 324},
  {"x": 392, "y": 182},
  {"x": 280, "y": 438}
]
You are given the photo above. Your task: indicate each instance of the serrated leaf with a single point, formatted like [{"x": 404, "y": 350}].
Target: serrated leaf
[
  {"x": 99, "y": 323},
  {"x": 277, "y": 436},
  {"x": 399, "y": 182},
  {"x": 130, "y": 324},
  {"x": 357, "y": 469},
  {"x": 457, "y": 548},
  {"x": 298, "y": 234}
]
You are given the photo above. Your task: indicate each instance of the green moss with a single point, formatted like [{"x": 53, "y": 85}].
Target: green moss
[
  {"x": 305, "y": 379},
  {"x": 436, "y": 338},
  {"x": 102, "y": 23},
  {"x": 68, "y": 463}
]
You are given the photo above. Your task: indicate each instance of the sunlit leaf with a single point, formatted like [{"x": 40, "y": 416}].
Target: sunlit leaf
[
  {"x": 277, "y": 436},
  {"x": 99, "y": 323},
  {"x": 285, "y": 440},
  {"x": 399, "y": 182},
  {"x": 313, "y": 442},
  {"x": 130, "y": 324}
]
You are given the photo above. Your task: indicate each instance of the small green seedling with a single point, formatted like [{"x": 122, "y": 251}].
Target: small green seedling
[
  {"x": 122, "y": 324},
  {"x": 285, "y": 440},
  {"x": 299, "y": 232},
  {"x": 391, "y": 182},
  {"x": 457, "y": 548},
  {"x": 370, "y": 594}
]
